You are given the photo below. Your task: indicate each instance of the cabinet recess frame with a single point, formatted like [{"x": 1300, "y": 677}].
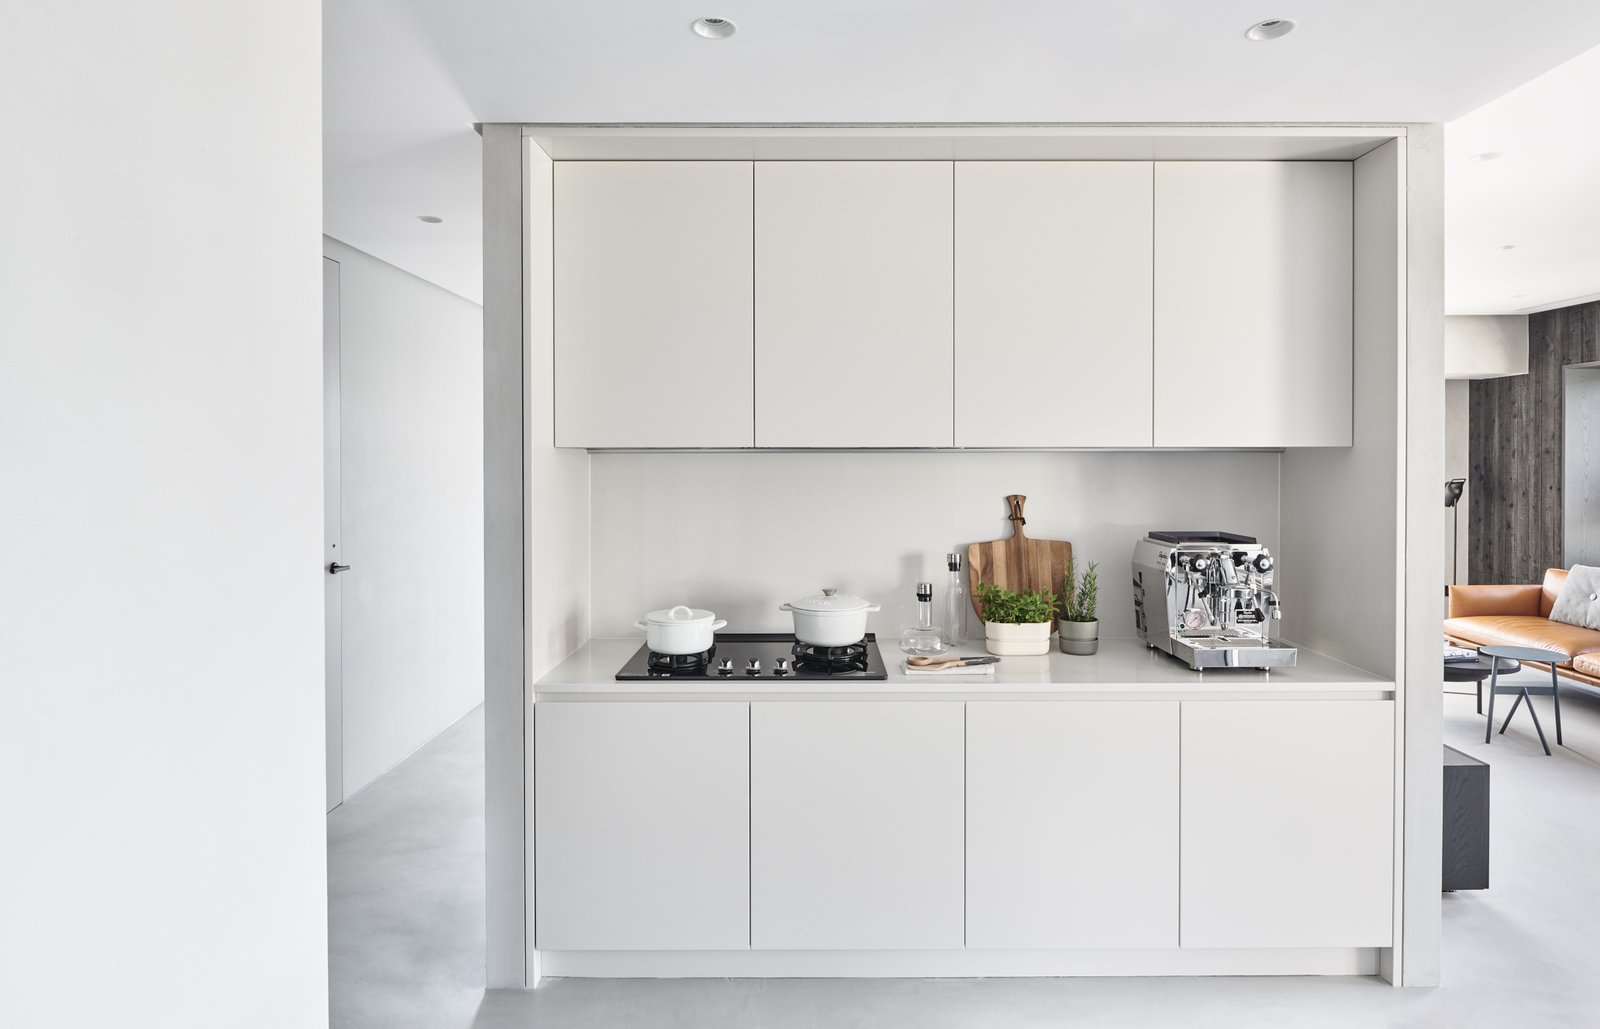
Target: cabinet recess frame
[{"x": 1398, "y": 448}]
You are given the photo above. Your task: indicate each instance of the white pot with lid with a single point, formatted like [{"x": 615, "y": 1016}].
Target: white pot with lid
[
  {"x": 830, "y": 618},
  {"x": 680, "y": 630}
]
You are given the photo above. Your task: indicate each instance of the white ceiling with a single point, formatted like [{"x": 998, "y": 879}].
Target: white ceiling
[
  {"x": 404, "y": 79},
  {"x": 1540, "y": 196},
  {"x": 397, "y": 142}
]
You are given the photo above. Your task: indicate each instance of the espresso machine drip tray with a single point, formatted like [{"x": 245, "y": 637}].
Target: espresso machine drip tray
[{"x": 1231, "y": 650}]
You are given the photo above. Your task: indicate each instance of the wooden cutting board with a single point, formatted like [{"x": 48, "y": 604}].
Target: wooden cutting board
[{"x": 1018, "y": 563}]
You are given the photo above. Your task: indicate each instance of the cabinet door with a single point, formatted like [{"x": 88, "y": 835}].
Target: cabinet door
[
  {"x": 642, "y": 826},
  {"x": 853, "y": 319},
  {"x": 1288, "y": 823},
  {"x": 1072, "y": 824},
  {"x": 1253, "y": 304},
  {"x": 653, "y": 303},
  {"x": 855, "y": 825},
  {"x": 1053, "y": 295}
]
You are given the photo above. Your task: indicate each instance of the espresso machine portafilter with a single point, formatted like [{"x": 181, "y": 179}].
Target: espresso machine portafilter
[{"x": 1207, "y": 598}]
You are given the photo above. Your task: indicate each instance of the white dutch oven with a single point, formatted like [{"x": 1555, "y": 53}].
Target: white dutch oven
[
  {"x": 830, "y": 618},
  {"x": 680, "y": 630}
]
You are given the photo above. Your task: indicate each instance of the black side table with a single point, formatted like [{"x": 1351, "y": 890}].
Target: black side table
[{"x": 1498, "y": 655}]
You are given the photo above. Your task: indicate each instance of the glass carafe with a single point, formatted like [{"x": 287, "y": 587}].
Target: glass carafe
[{"x": 924, "y": 638}]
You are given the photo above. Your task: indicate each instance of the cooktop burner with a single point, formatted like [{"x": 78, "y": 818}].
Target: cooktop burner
[
  {"x": 679, "y": 664},
  {"x": 761, "y": 655},
  {"x": 831, "y": 660}
]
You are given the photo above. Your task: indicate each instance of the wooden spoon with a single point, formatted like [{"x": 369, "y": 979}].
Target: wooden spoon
[{"x": 949, "y": 662}]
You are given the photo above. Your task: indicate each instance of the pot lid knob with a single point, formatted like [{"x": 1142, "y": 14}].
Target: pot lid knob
[{"x": 828, "y": 591}]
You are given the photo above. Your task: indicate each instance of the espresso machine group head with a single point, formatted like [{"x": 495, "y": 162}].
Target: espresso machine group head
[{"x": 1207, "y": 599}]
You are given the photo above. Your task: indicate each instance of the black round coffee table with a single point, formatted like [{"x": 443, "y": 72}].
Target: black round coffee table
[
  {"x": 1475, "y": 671},
  {"x": 1505, "y": 658}
]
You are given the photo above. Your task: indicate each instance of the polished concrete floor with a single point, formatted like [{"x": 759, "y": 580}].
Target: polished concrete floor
[
  {"x": 405, "y": 891},
  {"x": 406, "y": 899}
]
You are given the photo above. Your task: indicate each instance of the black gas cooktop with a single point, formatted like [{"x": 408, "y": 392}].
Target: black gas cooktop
[{"x": 761, "y": 655}]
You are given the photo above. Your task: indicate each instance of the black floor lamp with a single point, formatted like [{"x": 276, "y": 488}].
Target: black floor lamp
[{"x": 1453, "y": 488}]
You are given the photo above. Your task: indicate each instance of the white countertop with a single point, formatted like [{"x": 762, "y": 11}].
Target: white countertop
[{"x": 1124, "y": 666}]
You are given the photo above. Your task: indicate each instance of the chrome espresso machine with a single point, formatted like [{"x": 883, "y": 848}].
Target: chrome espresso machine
[{"x": 1206, "y": 598}]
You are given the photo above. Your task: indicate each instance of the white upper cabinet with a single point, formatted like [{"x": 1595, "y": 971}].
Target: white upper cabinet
[
  {"x": 1053, "y": 304},
  {"x": 1253, "y": 343},
  {"x": 880, "y": 304},
  {"x": 853, "y": 304},
  {"x": 653, "y": 304}
]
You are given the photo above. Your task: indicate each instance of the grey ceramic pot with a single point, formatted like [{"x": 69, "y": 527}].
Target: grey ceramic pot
[{"x": 1080, "y": 638}]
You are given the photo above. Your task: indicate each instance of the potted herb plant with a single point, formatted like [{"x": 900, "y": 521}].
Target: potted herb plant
[
  {"x": 1016, "y": 623},
  {"x": 1080, "y": 629}
]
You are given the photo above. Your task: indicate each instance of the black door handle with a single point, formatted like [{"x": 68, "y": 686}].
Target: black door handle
[{"x": 335, "y": 568}]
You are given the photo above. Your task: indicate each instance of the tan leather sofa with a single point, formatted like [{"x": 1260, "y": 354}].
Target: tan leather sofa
[{"x": 1519, "y": 616}]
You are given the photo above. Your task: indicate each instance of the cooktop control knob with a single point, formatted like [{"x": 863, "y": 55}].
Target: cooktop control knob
[
  {"x": 782, "y": 666},
  {"x": 725, "y": 666},
  {"x": 753, "y": 668}
]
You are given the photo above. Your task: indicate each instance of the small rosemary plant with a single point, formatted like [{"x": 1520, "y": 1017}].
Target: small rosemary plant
[{"x": 1078, "y": 597}]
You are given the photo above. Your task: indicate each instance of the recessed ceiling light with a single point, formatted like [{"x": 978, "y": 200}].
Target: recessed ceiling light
[
  {"x": 1272, "y": 28},
  {"x": 430, "y": 219},
  {"x": 714, "y": 28},
  {"x": 1508, "y": 246},
  {"x": 1487, "y": 155}
]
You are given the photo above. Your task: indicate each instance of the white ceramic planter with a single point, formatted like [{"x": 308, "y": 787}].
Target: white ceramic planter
[
  {"x": 1007, "y": 640},
  {"x": 1080, "y": 638}
]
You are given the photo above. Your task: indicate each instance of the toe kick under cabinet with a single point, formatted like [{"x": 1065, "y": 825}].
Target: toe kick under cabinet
[{"x": 931, "y": 827}]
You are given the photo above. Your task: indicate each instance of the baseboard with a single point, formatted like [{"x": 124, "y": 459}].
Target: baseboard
[{"x": 801, "y": 964}]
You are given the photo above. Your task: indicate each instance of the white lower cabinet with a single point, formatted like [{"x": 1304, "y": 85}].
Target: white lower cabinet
[
  {"x": 856, "y": 825},
  {"x": 1288, "y": 823},
  {"x": 1072, "y": 825},
  {"x": 992, "y": 825},
  {"x": 642, "y": 826}
]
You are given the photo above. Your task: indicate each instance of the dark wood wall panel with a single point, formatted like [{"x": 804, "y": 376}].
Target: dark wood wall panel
[{"x": 1514, "y": 449}]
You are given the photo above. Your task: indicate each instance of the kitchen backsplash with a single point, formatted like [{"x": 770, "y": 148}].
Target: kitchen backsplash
[{"x": 740, "y": 533}]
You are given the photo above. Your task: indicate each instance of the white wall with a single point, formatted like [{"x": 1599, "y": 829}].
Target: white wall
[
  {"x": 740, "y": 533},
  {"x": 1457, "y": 408},
  {"x": 161, "y": 719},
  {"x": 558, "y": 480},
  {"x": 411, "y": 453},
  {"x": 1341, "y": 505},
  {"x": 554, "y": 504},
  {"x": 1483, "y": 346}
]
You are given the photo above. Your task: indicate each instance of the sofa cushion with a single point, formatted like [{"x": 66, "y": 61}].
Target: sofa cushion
[
  {"x": 1523, "y": 631},
  {"x": 1578, "y": 603},
  {"x": 1587, "y": 664},
  {"x": 1466, "y": 601}
]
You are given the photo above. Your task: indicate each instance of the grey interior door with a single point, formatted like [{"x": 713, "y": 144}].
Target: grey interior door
[
  {"x": 331, "y": 560},
  {"x": 1581, "y": 465}
]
